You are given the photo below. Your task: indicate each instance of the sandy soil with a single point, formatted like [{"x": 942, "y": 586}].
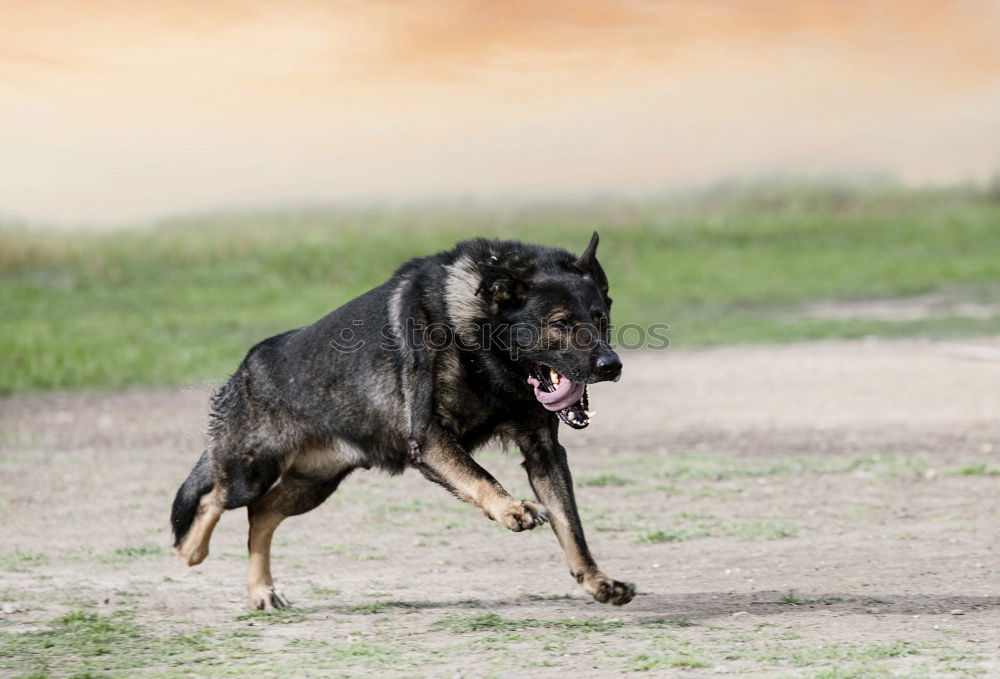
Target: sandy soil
[{"x": 812, "y": 518}]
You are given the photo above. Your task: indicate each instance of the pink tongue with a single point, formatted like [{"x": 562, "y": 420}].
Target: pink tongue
[{"x": 565, "y": 395}]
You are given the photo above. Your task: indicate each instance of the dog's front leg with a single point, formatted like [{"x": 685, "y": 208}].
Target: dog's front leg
[
  {"x": 441, "y": 459},
  {"x": 548, "y": 472}
]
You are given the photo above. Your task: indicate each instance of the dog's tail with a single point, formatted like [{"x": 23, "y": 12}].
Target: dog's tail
[{"x": 185, "y": 508}]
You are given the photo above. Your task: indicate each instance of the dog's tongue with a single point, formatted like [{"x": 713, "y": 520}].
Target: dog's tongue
[{"x": 565, "y": 394}]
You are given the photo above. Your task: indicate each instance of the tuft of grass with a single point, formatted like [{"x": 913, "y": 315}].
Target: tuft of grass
[
  {"x": 134, "y": 553},
  {"x": 20, "y": 561},
  {"x": 483, "y": 622},
  {"x": 277, "y": 616},
  {"x": 325, "y": 591},
  {"x": 791, "y": 599},
  {"x": 668, "y": 622},
  {"x": 676, "y": 534},
  {"x": 761, "y": 530},
  {"x": 978, "y": 469},
  {"x": 603, "y": 480},
  {"x": 378, "y": 607},
  {"x": 644, "y": 662}
]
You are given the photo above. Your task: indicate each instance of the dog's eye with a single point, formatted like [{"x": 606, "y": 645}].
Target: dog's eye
[{"x": 560, "y": 323}]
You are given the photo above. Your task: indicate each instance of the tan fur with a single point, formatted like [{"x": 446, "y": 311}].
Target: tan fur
[
  {"x": 326, "y": 461},
  {"x": 473, "y": 484},
  {"x": 461, "y": 301},
  {"x": 280, "y": 502},
  {"x": 194, "y": 547}
]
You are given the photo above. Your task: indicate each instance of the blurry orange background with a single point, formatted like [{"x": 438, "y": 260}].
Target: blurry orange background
[{"x": 124, "y": 110}]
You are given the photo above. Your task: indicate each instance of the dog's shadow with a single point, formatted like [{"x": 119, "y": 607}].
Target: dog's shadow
[{"x": 688, "y": 608}]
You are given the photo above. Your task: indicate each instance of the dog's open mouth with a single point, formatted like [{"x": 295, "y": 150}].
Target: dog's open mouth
[{"x": 563, "y": 396}]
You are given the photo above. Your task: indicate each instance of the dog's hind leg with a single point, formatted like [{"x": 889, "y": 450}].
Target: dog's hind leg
[
  {"x": 196, "y": 509},
  {"x": 219, "y": 481},
  {"x": 193, "y": 546},
  {"x": 296, "y": 492}
]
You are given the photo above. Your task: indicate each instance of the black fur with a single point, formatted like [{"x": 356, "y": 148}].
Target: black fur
[
  {"x": 198, "y": 482},
  {"x": 381, "y": 403}
]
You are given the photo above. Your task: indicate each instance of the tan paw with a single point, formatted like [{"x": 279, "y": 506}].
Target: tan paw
[
  {"x": 523, "y": 515},
  {"x": 607, "y": 590},
  {"x": 264, "y": 598},
  {"x": 192, "y": 554}
]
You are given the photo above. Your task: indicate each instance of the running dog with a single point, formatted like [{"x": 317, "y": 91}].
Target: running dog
[{"x": 490, "y": 340}]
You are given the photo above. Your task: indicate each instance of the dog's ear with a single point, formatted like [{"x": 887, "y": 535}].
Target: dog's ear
[
  {"x": 588, "y": 256},
  {"x": 501, "y": 288}
]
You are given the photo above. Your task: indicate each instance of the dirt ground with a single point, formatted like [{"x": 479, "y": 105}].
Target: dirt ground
[{"x": 813, "y": 510}]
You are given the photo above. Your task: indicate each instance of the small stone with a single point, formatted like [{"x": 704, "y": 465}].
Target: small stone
[
  {"x": 957, "y": 611},
  {"x": 739, "y": 614},
  {"x": 874, "y": 610},
  {"x": 9, "y": 608}
]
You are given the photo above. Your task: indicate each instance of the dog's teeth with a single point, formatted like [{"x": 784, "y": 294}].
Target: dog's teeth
[
  {"x": 554, "y": 376},
  {"x": 590, "y": 413}
]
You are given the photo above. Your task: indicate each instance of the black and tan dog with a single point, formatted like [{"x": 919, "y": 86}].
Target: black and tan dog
[{"x": 492, "y": 339}]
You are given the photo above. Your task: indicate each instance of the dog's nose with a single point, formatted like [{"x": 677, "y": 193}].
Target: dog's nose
[{"x": 608, "y": 366}]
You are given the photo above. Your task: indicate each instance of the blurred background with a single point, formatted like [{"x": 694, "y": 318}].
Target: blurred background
[
  {"x": 179, "y": 180},
  {"x": 806, "y": 484}
]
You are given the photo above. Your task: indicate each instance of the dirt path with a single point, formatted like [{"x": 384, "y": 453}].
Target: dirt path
[{"x": 807, "y": 510}]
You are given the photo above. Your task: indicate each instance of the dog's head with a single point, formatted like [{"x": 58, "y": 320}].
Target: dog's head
[{"x": 544, "y": 311}]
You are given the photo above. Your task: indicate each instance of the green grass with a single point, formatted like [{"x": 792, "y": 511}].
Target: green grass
[
  {"x": 82, "y": 642},
  {"x": 134, "y": 553},
  {"x": 676, "y": 533},
  {"x": 603, "y": 480},
  {"x": 21, "y": 561},
  {"x": 715, "y": 467},
  {"x": 978, "y": 469},
  {"x": 184, "y": 301},
  {"x": 481, "y": 622},
  {"x": 745, "y": 530},
  {"x": 762, "y": 530}
]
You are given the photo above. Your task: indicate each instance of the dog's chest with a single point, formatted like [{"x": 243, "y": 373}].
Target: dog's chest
[{"x": 462, "y": 398}]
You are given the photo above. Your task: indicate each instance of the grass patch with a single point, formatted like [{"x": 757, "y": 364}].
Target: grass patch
[
  {"x": 978, "y": 469},
  {"x": 745, "y": 530},
  {"x": 714, "y": 467},
  {"x": 645, "y": 662},
  {"x": 276, "y": 616},
  {"x": 603, "y": 480},
  {"x": 491, "y": 622},
  {"x": 676, "y": 534},
  {"x": 184, "y": 301},
  {"x": 134, "y": 553},
  {"x": 87, "y": 644},
  {"x": 325, "y": 591},
  {"x": 20, "y": 561},
  {"x": 378, "y": 607},
  {"x": 791, "y": 599},
  {"x": 761, "y": 530}
]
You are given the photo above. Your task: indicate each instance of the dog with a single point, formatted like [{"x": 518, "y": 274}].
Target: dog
[{"x": 492, "y": 339}]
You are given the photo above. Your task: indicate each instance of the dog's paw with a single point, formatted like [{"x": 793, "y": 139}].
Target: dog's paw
[
  {"x": 523, "y": 515},
  {"x": 192, "y": 554},
  {"x": 266, "y": 598},
  {"x": 609, "y": 591}
]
